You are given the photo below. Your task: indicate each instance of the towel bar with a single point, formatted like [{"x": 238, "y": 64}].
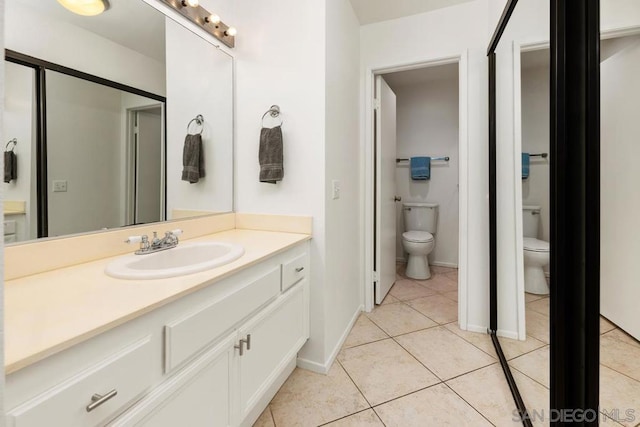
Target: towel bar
[
  {"x": 445, "y": 158},
  {"x": 273, "y": 111},
  {"x": 14, "y": 141},
  {"x": 199, "y": 121}
]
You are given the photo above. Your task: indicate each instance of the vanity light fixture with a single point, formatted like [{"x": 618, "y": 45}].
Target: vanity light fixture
[
  {"x": 85, "y": 7},
  {"x": 210, "y": 22}
]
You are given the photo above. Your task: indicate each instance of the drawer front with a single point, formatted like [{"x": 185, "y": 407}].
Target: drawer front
[
  {"x": 9, "y": 227},
  {"x": 128, "y": 372},
  {"x": 187, "y": 335},
  {"x": 294, "y": 270}
]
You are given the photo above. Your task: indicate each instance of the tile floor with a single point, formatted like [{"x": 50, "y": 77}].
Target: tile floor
[{"x": 408, "y": 364}]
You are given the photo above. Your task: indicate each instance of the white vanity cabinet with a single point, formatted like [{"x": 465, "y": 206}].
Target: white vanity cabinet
[{"x": 215, "y": 357}]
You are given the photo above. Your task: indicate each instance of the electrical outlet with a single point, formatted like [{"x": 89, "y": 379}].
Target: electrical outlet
[
  {"x": 336, "y": 188},
  {"x": 59, "y": 186}
]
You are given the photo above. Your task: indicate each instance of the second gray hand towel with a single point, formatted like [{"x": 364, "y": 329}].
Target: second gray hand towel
[
  {"x": 270, "y": 155},
  {"x": 193, "y": 159}
]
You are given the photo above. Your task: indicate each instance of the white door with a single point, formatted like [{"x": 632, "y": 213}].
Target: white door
[
  {"x": 385, "y": 242},
  {"x": 149, "y": 166}
]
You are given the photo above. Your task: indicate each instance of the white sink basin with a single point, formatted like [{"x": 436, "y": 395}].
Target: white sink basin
[{"x": 183, "y": 259}]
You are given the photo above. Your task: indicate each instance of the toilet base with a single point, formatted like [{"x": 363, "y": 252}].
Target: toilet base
[
  {"x": 418, "y": 267},
  {"x": 535, "y": 281}
]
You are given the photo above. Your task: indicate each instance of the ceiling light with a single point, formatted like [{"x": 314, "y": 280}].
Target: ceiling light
[
  {"x": 212, "y": 19},
  {"x": 231, "y": 32},
  {"x": 85, "y": 7},
  {"x": 192, "y": 3}
]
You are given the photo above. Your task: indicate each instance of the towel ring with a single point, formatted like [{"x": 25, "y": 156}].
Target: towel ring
[
  {"x": 14, "y": 141},
  {"x": 199, "y": 121},
  {"x": 273, "y": 111}
]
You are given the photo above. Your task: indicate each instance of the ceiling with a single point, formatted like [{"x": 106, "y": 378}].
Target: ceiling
[
  {"x": 421, "y": 75},
  {"x": 370, "y": 11},
  {"x": 121, "y": 23}
]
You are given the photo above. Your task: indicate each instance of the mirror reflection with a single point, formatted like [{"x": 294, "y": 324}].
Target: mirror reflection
[{"x": 99, "y": 109}]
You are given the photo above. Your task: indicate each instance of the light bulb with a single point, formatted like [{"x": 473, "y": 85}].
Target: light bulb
[
  {"x": 85, "y": 7},
  {"x": 192, "y": 3},
  {"x": 212, "y": 19},
  {"x": 231, "y": 32}
]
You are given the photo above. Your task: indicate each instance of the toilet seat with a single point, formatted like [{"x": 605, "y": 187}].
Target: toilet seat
[
  {"x": 417, "y": 236},
  {"x": 535, "y": 245}
]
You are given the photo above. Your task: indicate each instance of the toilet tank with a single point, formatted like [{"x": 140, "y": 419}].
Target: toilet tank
[
  {"x": 420, "y": 216},
  {"x": 530, "y": 221}
]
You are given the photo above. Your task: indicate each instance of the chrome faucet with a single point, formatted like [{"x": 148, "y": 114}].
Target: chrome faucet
[{"x": 170, "y": 240}]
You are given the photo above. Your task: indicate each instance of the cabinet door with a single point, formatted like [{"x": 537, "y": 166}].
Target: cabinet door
[
  {"x": 200, "y": 396},
  {"x": 276, "y": 336}
]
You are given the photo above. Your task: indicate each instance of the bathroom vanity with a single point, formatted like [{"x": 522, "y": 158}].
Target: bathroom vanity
[{"x": 205, "y": 349}]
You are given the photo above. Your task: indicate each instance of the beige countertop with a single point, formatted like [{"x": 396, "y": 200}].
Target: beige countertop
[{"x": 48, "y": 312}]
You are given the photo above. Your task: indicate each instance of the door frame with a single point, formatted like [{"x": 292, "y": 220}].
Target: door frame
[{"x": 368, "y": 178}]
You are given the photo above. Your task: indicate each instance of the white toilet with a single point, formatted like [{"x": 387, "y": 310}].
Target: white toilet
[
  {"x": 420, "y": 221},
  {"x": 536, "y": 252}
]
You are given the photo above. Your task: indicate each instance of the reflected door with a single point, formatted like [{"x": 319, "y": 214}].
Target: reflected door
[
  {"x": 385, "y": 189},
  {"x": 148, "y": 188}
]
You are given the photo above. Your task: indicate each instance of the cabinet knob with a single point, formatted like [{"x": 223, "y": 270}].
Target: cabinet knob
[
  {"x": 98, "y": 399},
  {"x": 299, "y": 269}
]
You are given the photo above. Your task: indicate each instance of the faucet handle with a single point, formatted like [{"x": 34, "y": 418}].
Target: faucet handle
[
  {"x": 176, "y": 232},
  {"x": 136, "y": 239}
]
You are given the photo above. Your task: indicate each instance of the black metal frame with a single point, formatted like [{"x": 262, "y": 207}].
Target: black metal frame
[
  {"x": 575, "y": 205},
  {"x": 40, "y": 67},
  {"x": 575, "y": 209}
]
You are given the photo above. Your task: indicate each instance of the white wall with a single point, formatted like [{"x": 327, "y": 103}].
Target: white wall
[
  {"x": 79, "y": 49},
  {"x": 444, "y": 33},
  {"x": 2, "y": 198},
  {"x": 19, "y": 122},
  {"x": 205, "y": 89},
  {"x": 620, "y": 198},
  {"x": 344, "y": 227},
  {"x": 280, "y": 59},
  {"x": 427, "y": 125},
  {"x": 83, "y": 148},
  {"x": 535, "y": 139}
]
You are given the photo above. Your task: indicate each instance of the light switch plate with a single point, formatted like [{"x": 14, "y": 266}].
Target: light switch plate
[
  {"x": 336, "y": 189},
  {"x": 59, "y": 186}
]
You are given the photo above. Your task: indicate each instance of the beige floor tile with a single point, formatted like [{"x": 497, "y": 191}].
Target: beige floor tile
[
  {"x": 453, "y": 276},
  {"x": 488, "y": 392},
  {"x": 435, "y": 406},
  {"x": 383, "y": 371},
  {"x": 406, "y": 289},
  {"x": 389, "y": 299},
  {"x": 535, "y": 365},
  {"x": 307, "y": 398},
  {"x": 541, "y": 306},
  {"x": 478, "y": 339},
  {"x": 532, "y": 297},
  {"x": 514, "y": 348},
  {"x": 605, "y": 325},
  {"x": 436, "y": 307},
  {"x": 361, "y": 419},
  {"x": 364, "y": 331},
  {"x": 621, "y": 393},
  {"x": 620, "y": 355},
  {"x": 620, "y": 335},
  {"x": 399, "y": 318},
  {"x": 452, "y": 295},
  {"x": 444, "y": 353},
  {"x": 537, "y": 325},
  {"x": 265, "y": 420},
  {"x": 439, "y": 283}
]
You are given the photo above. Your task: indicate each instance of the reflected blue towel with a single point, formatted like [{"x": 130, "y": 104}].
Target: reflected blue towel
[
  {"x": 525, "y": 165},
  {"x": 420, "y": 168}
]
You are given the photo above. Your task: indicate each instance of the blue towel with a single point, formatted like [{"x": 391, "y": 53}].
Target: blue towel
[
  {"x": 525, "y": 165},
  {"x": 420, "y": 168}
]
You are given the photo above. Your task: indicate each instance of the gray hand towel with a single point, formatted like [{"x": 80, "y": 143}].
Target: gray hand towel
[
  {"x": 10, "y": 166},
  {"x": 270, "y": 155},
  {"x": 193, "y": 159}
]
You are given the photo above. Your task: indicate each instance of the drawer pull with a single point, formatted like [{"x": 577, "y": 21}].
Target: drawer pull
[
  {"x": 299, "y": 269},
  {"x": 97, "y": 399},
  {"x": 240, "y": 346},
  {"x": 248, "y": 341}
]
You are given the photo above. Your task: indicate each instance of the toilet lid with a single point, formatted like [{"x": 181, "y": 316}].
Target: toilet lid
[
  {"x": 417, "y": 236},
  {"x": 535, "y": 245}
]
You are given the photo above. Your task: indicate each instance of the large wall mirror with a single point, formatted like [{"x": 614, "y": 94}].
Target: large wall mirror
[{"x": 97, "y": 110}]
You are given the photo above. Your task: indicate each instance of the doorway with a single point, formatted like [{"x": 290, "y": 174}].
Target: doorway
[{"x": 419, "y": 111}]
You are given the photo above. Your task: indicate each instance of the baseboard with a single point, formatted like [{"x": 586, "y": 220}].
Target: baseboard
[
  {"x": 477, "y": 328},
  {"x": 324, "y": 368},
  {"x": 401, "y": 259},
  {"x": 444, "y": 264},
  {"x": 507, "y": 334}
]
